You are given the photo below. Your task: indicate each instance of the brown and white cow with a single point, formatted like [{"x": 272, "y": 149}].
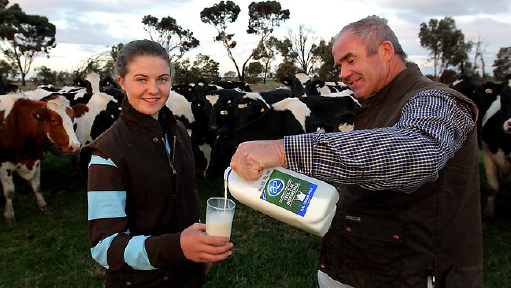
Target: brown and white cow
[{"x": 27, "y": 127}]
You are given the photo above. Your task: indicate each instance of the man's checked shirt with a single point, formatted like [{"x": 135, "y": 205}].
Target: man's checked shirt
[{"x": 432, "y": 127}]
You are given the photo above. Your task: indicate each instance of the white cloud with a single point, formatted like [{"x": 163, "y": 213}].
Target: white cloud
[{"x": 88, "y": 26}]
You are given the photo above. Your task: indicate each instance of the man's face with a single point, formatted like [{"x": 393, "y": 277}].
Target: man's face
[{"x": 364, "y": 74}]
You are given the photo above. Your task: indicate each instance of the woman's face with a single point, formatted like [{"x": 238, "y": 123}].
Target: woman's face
[{"x": 147, "y": 84}]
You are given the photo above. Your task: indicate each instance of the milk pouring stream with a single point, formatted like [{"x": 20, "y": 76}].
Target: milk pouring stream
[{"x": 296, "y": 199}]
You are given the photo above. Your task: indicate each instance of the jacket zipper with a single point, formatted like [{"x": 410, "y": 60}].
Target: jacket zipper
[
  {"x": 171, "y": 160},
  {"x": 431, "y": 278}
]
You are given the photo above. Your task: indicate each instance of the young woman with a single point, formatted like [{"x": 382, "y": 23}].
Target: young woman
[{"x": 142, "y": 199}]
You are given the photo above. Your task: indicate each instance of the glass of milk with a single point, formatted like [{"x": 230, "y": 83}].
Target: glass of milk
[{"x": 219, "y": 215}]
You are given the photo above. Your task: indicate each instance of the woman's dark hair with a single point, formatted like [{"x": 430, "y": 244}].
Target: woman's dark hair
[
  {"x": 372, "y": 31},
  {"x": 139, "y": 48}
]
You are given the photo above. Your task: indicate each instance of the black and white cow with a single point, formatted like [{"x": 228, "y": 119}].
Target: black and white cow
[
  {"x": 241, "y": 86},
  {"x": 324, "y": 88},
  {"x": 299, "y": 84},
  {"x": 257, "y": 120},
  {"x": 483, "y": 96},
  {"x": 496, "y": 143},
  {"x": 98, "y": 103}
]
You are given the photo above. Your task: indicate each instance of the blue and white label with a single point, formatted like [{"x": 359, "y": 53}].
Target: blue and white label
[
  {"x": 275, "y": 187},
  {"x": 286, "y": 191}
]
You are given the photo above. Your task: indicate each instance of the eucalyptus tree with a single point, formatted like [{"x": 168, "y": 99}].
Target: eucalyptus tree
[
  {"x": 23, "y": 37},
  {"x": 446, "y": 43},
  {"x": 174, "y": 38},
  {"x": 263, "y": 18},
  {"x": 502, "y": 63}
]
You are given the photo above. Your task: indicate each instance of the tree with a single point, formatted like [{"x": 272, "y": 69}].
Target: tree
[
  {"x": 287, "y": 67},
  {"x": 182, "y": 73},
  {"x": 327, "y": 68},
  {"x": 7, "y": 71},
  {"x": 254, "y": 71},
  {"x": 303, "y": 45},
  {"x": 109, "y": 66},
  {"x": 480, "y": 49},
  {"x": 45, "y": 75},
  {"x": 266, "y": 54},
  {"x": 447, "y": 44},
  {"x": 203, "y": 67},
  {"x": 263, "y": 18},
  {"x": 24, "y": 37},
  {"x": 230, "y": 75},
  {"x": 170, "y": 35},
  {"x": 502, "y": 63},
  {"x": 207, "y": 68},
  {"x": 64, "y": 78}
]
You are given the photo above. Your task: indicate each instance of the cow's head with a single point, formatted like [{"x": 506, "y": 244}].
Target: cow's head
[
  {"x": 505, "y": 102},
  {"x": 298, "y": 84},
  {"x": 57, "y": 121},
  {"x": 248, "y": 108}
]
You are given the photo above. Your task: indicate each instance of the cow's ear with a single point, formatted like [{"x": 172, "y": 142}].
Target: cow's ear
[
  {"x": 40, "y": 114},
  {"x": 80, "y": 109}
]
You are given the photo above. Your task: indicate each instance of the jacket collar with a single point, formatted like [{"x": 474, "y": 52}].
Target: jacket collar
[
  {"x": 146, "y": 123},
  {"x": 411, "y": 72}
]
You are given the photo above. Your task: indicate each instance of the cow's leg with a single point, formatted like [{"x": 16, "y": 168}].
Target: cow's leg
[
  {"x": 33, "y": 177},
  {"x": 492, "y": 176},
  {"x": 8, "y": 187},
  {"x": 35, "y": 183}
]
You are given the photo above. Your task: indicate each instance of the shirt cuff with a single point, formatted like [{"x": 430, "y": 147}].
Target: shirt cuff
[
  {"x": 299, "y": 152},
  {"x": 165, "y": 250}
]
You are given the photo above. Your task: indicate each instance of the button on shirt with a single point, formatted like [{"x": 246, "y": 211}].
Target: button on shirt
[{"x": 432, "y": 127}]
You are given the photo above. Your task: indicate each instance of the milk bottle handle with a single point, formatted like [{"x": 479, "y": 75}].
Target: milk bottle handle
[{"x": 228, "y": 174}]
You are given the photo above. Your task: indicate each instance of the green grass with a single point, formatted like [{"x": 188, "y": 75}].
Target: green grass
[{"x": 52, "y": 250}]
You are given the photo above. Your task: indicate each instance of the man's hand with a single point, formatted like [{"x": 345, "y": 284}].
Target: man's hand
[{"x": 252, "y": 157}]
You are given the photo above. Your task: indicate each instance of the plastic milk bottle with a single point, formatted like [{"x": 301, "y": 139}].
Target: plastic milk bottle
[{"x": 296, "y": 199}]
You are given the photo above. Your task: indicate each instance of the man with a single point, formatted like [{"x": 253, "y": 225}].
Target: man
[{"x": 409, "y": 211}]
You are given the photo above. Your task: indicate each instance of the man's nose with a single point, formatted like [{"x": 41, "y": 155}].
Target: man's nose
[{"x": 344, "y": 74}]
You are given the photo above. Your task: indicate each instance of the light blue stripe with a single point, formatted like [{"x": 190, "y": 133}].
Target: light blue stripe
[
  {"x": 100, "y": 251},
  {"x": 167, "y": 145},
  {"x": 98, "y": 160},
  {"x": 106, "y": 204},
  {"x": 135, "y": 254}
]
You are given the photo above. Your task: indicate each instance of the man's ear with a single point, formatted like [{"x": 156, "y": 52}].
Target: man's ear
[{"x": 386, "y": 50}]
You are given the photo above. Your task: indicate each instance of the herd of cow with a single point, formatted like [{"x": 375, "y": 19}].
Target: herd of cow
[{"x": 218, "y": 117}]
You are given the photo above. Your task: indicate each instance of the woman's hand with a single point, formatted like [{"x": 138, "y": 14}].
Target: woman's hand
[{"x": 199, "y": 247}]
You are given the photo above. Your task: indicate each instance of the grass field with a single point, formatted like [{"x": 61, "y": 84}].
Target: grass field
[{"x": 52, "y": 250}]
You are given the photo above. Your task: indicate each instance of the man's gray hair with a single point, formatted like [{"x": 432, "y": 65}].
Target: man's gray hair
[{"x": 372, "y": 31}]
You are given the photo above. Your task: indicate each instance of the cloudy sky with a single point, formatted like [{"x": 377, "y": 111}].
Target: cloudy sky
[{"x": 89, "y": 27}]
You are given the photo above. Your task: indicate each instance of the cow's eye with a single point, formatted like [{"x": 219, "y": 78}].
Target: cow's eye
[{"x": 54, "y": 122}]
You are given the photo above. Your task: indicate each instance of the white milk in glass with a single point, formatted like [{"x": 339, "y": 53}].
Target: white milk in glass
[
  {"x": 296, "y": 199},
  {"x": 219, "y": 216},
  {"x": 219, "y": 224}
]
